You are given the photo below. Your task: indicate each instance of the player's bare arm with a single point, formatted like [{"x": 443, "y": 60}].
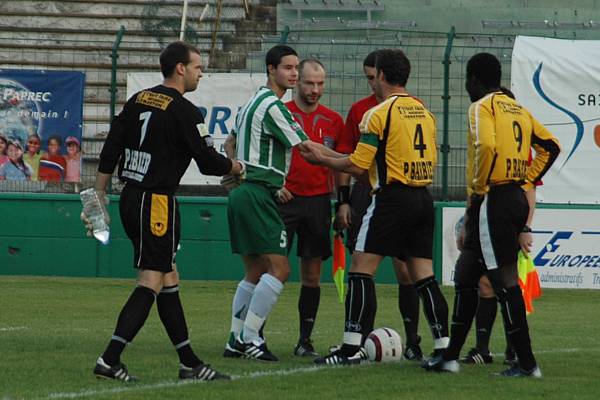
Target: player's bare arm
[
  {"x": 342, "y": 164},
  {"x": 229, "y": 146},
  {"x": 237, "y": 167}
]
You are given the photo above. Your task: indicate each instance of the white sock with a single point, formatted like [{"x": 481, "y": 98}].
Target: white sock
[
  {"x": 441, "y": 343},
  {"x": 352, "y": 338},
  {"x": 265, "y": 296},
  {"x": 240, "y": 305}
]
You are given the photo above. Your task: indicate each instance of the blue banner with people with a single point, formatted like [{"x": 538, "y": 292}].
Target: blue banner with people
[{"x": 41, "y": 121}]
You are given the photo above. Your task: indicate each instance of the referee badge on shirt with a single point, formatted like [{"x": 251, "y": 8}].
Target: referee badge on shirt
[{"x": 329, "y": 141}]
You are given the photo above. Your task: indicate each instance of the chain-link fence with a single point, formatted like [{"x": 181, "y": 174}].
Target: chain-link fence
[{"x": 438, "y": 63}]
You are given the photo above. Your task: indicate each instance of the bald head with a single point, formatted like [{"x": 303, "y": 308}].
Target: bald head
[
  {"x": 311, "y": 83},
  {"x": 310, "y": 64}
]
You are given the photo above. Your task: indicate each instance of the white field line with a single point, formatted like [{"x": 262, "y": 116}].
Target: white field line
[
  {"x": 557, "y": 351},
  {"x": 13, "y": 328},
  {"x": 252, "y": 375},
  {"x": 167, "y": 384}
]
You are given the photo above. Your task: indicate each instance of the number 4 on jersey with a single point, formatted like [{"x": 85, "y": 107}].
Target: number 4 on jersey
[{"x": 419, "y": 144}]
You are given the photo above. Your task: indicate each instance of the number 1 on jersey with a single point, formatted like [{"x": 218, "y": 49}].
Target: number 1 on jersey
[{"x": 145, "y": 116}]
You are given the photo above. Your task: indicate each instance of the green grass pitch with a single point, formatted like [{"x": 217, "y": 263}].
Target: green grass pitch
[{"x": 53, "y": 329}]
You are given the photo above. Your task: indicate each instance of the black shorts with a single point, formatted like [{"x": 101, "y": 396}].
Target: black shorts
[
  {"x": 398, "y": 223},
  {"x": 310, "y": 217},
  {"x": 152, "y": 223},
  {"x": 493, "y": 224},
  {"x": 360, "y": 199}
]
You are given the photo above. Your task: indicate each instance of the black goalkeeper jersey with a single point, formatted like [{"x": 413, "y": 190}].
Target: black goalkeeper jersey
[{"x": 154, "y": 139}]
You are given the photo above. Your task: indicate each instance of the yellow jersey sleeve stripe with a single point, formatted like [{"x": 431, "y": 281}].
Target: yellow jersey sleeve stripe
[{"x": 363, "y": 155}]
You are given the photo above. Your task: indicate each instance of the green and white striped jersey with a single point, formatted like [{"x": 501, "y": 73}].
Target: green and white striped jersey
[{"x": 265, "y": 133}]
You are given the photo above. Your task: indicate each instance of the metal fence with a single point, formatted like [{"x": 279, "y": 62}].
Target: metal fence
[{"x": 438, "y": 62}]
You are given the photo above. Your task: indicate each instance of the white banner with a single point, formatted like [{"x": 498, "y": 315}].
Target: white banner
[
  {"x": 566, "y": 247},
  {"x": 218, "y": 96},
  {"x": 559, "y": 82}
]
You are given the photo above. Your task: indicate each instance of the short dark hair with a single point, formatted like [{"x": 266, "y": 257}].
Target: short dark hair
[
  {"x": 56, "y": 138},
  {"x": 313, "y": 61},
  {"x": 395, "y": 66},
  {"x": 507, "y": 92},
  {"x": 370, "y": 59},
  {"x": 486, "y": 68},
  {"x": 175, "y": 53},
  {"x": 276, "y": 53}
]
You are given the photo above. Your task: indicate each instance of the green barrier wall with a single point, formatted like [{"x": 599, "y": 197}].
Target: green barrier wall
[{"x": 41, "y": 234}]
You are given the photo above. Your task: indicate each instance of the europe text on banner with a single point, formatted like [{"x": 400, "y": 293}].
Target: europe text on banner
[
  {"x": 218, "y": 97},
  {"x": 41, "y": 121},
  {"x": 566, "y": 246},
  {"x": 558, "y": 81}
]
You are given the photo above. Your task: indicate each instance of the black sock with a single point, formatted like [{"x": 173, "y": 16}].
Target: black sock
[
  {"x": 261, "y": 331},
  {"x": 308, "y": 305},
  {"x": 434, "y": 306},
  {"x": 171, "y": 314},
  {"x": 131, "y": 319},
  {"x": 465, "y": 305},
  {"x": 361, "y": 307},
  {"x": 515, "y": 321},
  {"x": 509, "y": 351},
  {"x": 408, "y": 303},
  {"x": 484, "y": 321}
]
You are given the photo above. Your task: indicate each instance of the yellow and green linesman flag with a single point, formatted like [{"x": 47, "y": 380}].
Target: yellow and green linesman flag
[{"x": 339, "y": 264}]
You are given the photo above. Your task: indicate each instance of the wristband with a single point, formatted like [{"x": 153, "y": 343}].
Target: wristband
[
  {"x": 526, "y": 229},
  {"x": 242, "y": 167},
  {"x": 343, "y": 193}
]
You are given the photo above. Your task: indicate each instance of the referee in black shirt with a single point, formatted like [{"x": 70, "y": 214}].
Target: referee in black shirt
[{"x": 153, "y": 140}]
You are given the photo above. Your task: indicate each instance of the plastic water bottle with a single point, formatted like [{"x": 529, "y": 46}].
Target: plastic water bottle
[{"x": 93, "y": 210}]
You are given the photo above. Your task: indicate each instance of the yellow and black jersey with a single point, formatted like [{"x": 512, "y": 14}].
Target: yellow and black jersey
[
  {"x": 397, "y": 142},
  {"x": 501, "y": 134}
]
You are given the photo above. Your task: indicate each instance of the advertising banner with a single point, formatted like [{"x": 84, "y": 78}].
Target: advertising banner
[
  {"x": 218, "y": 97},
  {"x": 566, "y": 247},
  {"x": 41, "y": 120},
  {"x": 559, "y": 82}
]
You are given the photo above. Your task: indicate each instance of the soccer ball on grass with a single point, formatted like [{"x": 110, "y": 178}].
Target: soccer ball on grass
[{"x": 384, "y": 345}]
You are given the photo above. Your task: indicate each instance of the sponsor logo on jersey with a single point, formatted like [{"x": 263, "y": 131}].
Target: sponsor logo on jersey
[
  {"x": 156, "y": 100},
  {"x": 136, "y": 164}
]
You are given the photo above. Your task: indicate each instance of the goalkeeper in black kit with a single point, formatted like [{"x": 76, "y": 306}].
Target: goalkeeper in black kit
[{"x": 153, "y": 141}]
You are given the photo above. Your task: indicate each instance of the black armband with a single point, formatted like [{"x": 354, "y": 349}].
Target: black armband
[
  {"x": 343, "y": 193},
  {"x": 526, "y": 229}
]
